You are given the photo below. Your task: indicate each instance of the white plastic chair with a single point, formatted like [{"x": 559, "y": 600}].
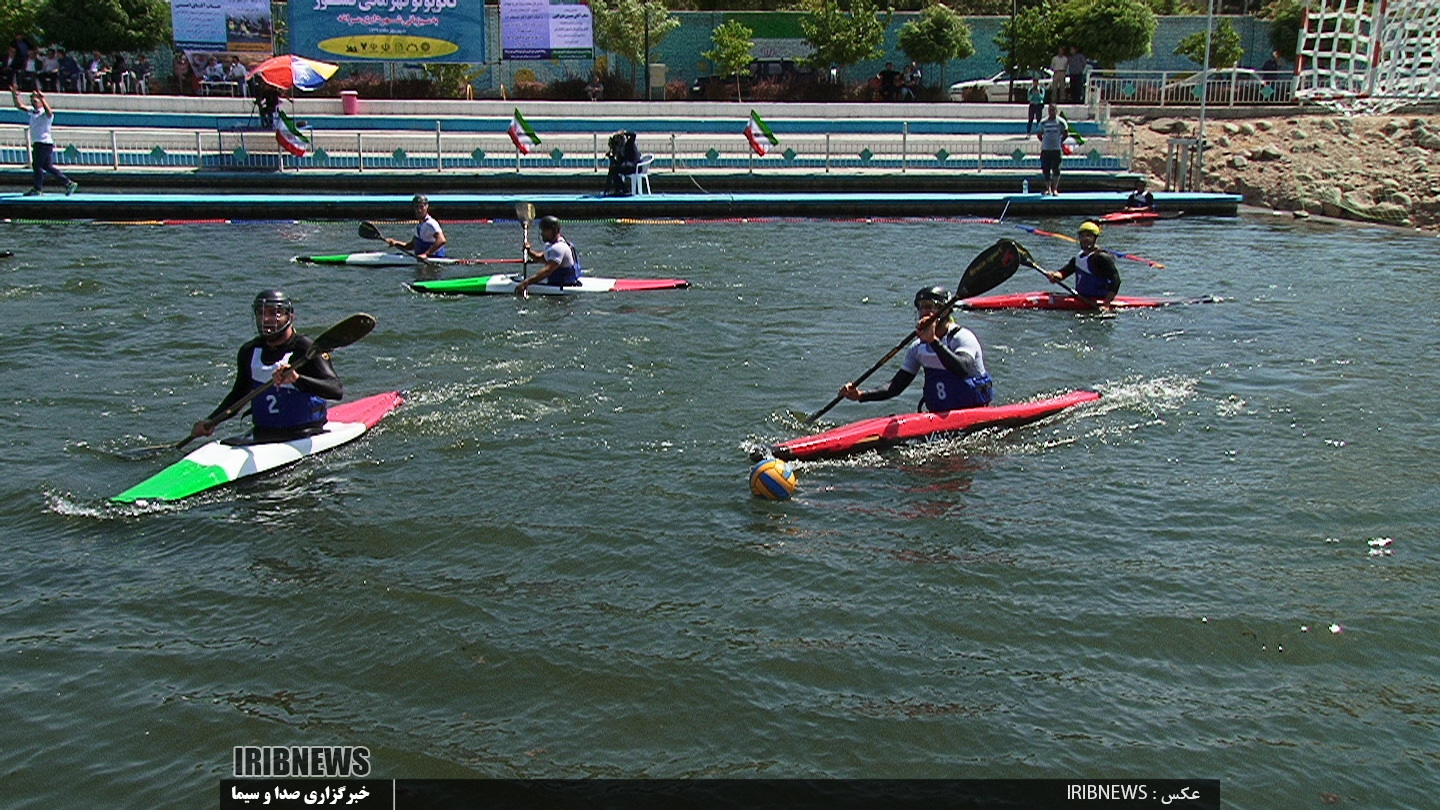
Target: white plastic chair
[{"x": 640, "y": 180}]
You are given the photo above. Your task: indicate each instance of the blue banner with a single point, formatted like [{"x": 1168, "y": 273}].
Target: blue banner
[{"x": 388, "y": 30}]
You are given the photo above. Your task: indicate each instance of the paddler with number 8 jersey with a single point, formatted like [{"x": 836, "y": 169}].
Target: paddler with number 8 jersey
[
  {"x": 1096, "y": 276},
  {"x": 295, "y": 406},
  {"x": 951, "y": 356}
]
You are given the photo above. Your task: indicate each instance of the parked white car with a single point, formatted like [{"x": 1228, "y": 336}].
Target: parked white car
[
  {"x": 1228, "y": 85},
  {"x": 997, "y": 87}
]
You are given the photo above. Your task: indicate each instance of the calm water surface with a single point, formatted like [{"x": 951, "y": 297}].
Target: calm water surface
[{"x": 547, "y": 564}]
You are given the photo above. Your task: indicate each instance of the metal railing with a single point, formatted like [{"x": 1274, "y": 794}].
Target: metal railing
[
  {"x": 1226, "y": 87},
  {"x": 255, "y": 148}
]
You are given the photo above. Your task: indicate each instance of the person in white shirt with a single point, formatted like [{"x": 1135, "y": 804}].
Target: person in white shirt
[{"x": 42, "y": 143}]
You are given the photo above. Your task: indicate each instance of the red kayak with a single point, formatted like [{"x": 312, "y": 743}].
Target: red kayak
[
  {"x": 1051, "y": 300},
  {"x": 883, "y": 431},
  {"x": 1138, "y": 215}
]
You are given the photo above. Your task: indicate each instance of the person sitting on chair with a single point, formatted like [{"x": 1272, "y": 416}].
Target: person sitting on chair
[{"x": 624, "y": 157}]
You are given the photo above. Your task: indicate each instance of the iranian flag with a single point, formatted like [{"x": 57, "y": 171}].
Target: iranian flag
[
  {"x": 289, "y": 136},
  {"x": 759, "y": 135},
  {"x": 521, "y": 133}
]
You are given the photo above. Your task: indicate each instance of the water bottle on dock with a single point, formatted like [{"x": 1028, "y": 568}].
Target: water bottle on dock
[{"x": 1025, "y": 186}]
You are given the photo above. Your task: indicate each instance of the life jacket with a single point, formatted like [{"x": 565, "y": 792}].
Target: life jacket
[
  {"x": 283, "y": 406},
  {"x": 1090, "y": 285},
  {"x": 421, "y": 245},
  {"x": 567, "y": 276}
]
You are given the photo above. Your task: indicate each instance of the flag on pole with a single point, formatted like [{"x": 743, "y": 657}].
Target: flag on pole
[
  {"x": 289, "y": 136},
  {"x": 759, "y": 135},
  {"x": 521, "y": 133},
  {"x": 1073, "y": 138}
]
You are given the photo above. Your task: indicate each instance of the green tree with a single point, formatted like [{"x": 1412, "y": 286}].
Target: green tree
[
  {"x": 1225, "y": 50},
  {"x": 620, "y": 27},
  {"x": 106, "y": 25},
  {"x": 1286, "y": 17},
  {"x": 1028, "y": 41},
  {"x": 1109, "y": 31},
  {"x": 938, "y": 36},
  {"x": 732, "y": 42},
  {"x": 18, "y": 17},
  {"x": 841, "y": 38},
  {"x": 453, "y": 80}
]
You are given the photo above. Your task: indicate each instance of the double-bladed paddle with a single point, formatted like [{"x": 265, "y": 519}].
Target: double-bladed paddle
[
  {"x": 368, "y": 230},
  {"x": 1029, "y": 261},
  {"x": 986, "y": 272},
  {"x": 525, "y": 212},
  {"x": 340, "y": 335}
]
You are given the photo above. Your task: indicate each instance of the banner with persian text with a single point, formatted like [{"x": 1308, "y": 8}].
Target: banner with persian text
[
  {"x": 541, "y": 29},
  {"x": 388, "y": 30},
  {"x": 222, "y": 25}
]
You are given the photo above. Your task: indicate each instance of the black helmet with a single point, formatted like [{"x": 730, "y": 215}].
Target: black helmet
[
  {"x": 938, "y": 295},
  {"x": 548, "y": 221},
  {"x": 273, "y": 298},
  {"x": 420, "y": 199}
]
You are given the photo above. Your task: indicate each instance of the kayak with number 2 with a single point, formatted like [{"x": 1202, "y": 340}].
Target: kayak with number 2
[
  {"x": 378, "y": 259},
  {"x": 223, "y": 462},
  {"x": 1066, "y": 301},
  {"x": 503, "y": 284},
  {"x": 883, "y": 431}
]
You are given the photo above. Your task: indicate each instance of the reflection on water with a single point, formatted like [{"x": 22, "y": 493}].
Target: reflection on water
[{"x": 547, "y": 562}]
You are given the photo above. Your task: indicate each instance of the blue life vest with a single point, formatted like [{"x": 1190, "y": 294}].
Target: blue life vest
[
  {"x": 947, "y": 391},
  {"x": 1087, "y": 283},
  {"x": 283, "y": 406},
  {"x": 421, "y": 245},
  {"x": 567, "y": 276}
]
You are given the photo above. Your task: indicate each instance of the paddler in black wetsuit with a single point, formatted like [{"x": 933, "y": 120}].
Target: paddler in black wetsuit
[
  {"x": 295, "y": 407},
  {"x": 1096, "y": 276}
]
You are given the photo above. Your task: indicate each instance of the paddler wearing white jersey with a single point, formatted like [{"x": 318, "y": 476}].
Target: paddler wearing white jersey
[
  {"x": 429, "y": 240},
  {"x": 1096, "y": 276},
  {"x": 949, "y": 354}
]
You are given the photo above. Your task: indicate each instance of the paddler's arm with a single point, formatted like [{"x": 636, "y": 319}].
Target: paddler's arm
[
  {"x": 319, "y": 378},
  {"x": 239, "y": 389},
  {"x": 540, "y": 275},
  {"x": 434, "y": 246},
  {"x": 1057, "y": 276},
  {"x": 960, "y": 364},
  {"x": 898, "y": 383}
]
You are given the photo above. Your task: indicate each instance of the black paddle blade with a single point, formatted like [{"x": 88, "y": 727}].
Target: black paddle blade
[
  {"x": 344, "y": 333},
  {"x": 369, "y": 231},
  {"x": 991, "y": 268}
]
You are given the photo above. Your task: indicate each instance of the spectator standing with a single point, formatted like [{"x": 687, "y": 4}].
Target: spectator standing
[
  {"x": 1270, "y": 71},
  {"x": 236, "y": 75},
  {"x": 888, "y": 82},
  {"x": 19, "y": 59},
  {"x": 1052, "y": 149},
  {"x": 1036, "y": 99},
  {"x": 1076, "y": 66},
  {"x": 1059, "y": 65}
]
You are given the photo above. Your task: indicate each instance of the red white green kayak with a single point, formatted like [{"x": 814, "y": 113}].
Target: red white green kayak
[
  {"x": 503, "y": 284},
  {"x": 377, "y": 259},
  {"x": 882, "y": 431},
  {"x": 1051, "y": 300},
  {"x": 219, "y": 463}
]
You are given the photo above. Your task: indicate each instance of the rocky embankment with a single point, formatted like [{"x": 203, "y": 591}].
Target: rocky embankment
[{"x": 1382, "y": 168}]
